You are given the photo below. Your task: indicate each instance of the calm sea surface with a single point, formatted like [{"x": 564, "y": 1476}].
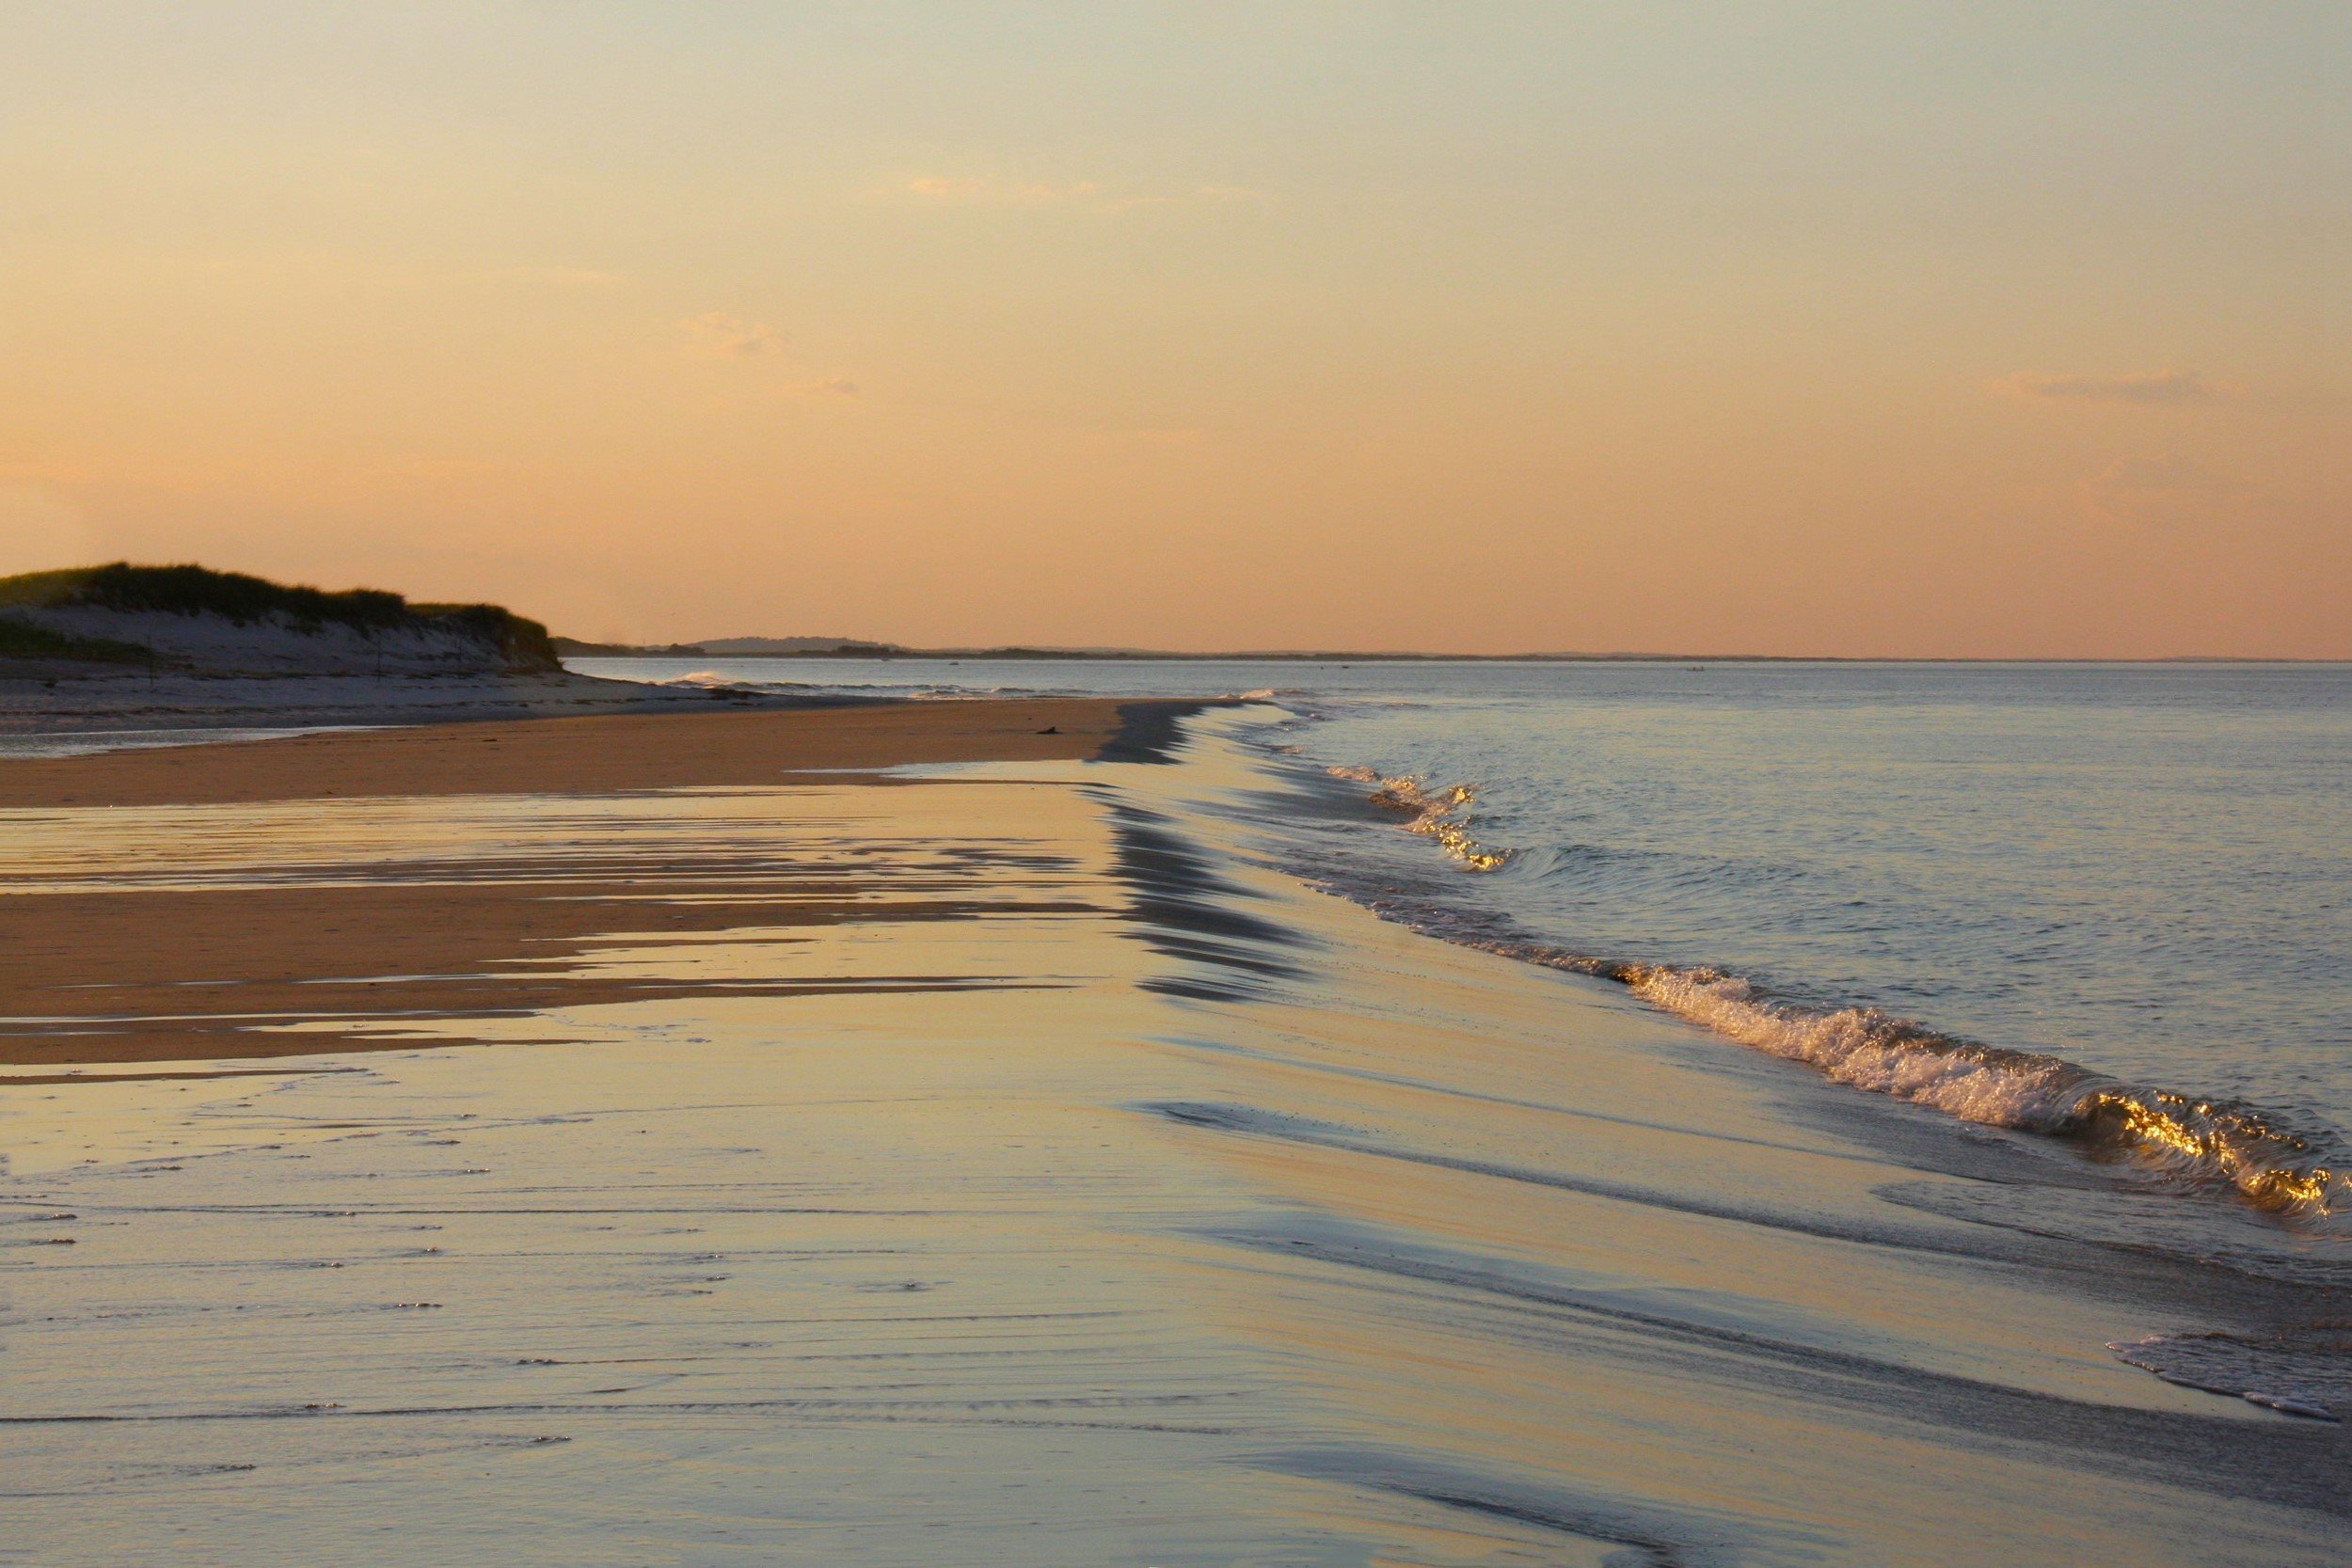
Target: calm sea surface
[{"x": 2126, "y": 875}]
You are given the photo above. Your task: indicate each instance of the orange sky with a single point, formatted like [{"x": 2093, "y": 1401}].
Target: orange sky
[{"x": 1877, "y": 330}]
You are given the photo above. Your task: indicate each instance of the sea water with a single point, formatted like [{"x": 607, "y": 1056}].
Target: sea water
[{"x": 2107, "y": 902}]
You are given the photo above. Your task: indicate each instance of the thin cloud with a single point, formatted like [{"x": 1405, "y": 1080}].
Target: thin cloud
[
  {"x": 2162, "y": 492},
  {"x": 732, "y": 337},
  {"x": 2165, "y": 388},
  {"x": 717, "y": 335}
]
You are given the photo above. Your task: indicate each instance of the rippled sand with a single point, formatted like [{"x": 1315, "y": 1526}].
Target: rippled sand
[{"x": 992, "y": 1165}]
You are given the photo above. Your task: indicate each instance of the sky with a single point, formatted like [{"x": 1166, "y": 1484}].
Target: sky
[{"x": 1917, "y": 330}]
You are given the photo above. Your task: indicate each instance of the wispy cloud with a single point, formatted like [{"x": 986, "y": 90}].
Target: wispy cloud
[
  {"x": 732, "y": 337},
  {"x": 2165, "y": 388},
  {"x": 2162, "y": 492},
  {"x": 768, "y": 376},
  {"x": 988, "y": 191}
]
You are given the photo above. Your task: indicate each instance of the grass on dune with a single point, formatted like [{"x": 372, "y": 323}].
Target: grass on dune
[
  {"x": 243, "y": 600},
  {"x": 19, "y": 641}
]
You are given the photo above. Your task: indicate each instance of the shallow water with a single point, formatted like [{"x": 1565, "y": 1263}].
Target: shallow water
[
  {"x": 1210, "y": 1219},
  {"x": 2102, "y": 899}
]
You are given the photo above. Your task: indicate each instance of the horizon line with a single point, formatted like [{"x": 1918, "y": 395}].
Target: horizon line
[{"x": 851, "y": 648}]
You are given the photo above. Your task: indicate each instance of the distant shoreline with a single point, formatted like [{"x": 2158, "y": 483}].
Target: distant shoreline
[{"x": 569, "y": 649}]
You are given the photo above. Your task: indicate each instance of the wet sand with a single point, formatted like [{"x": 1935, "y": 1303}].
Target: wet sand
[
  {"x": 56, "y": 706},
  {"x": 574, "y": 755},
  {"x": 128, "y": 955},
  {"x": 992, "y": 1163}
]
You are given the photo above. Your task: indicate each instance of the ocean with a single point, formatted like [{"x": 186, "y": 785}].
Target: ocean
[{"x": 2108, "y": 903}]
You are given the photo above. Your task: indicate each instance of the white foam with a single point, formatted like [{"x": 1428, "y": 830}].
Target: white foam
[
  {"x": 1438, "y": 815},
  {"x": 1873, "y": 1051},
  {"x": 2207, "y": 1142},
  {"x": 1866, "y": 1049}
]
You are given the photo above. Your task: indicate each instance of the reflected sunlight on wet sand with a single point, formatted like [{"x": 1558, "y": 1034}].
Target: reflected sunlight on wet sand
[{"x": 990, "y": 1161}]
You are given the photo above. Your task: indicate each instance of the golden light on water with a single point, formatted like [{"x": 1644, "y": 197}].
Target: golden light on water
[
  {"x": 1869, "y": 1049},
  {"x": 1437, "y": 817},
  {"x": 2230, "y": 1145}
]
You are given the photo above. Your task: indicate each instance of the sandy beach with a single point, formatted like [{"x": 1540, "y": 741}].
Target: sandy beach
[
  {"x": 108, "y": 973},
  {"x": 931, "y": 1134},
  {"x": 1175, "y": 786},
  {"x": 572, "y": 756},
  {"x": 69, "y": 708}
]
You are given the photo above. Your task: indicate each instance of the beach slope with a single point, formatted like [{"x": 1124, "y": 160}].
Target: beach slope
[{"x": 688, "y": 1139}]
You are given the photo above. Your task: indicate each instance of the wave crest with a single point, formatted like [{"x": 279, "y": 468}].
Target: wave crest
[
  {"x": 2201, "y": 1141},
  {"x": 1437, "y": 815}
]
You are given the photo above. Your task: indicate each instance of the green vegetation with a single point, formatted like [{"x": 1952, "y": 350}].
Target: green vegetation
[
  {"x": 522, "y": 643},
  {"x": 196, "y": 591},
  {"x": 244, "y": 601},
  {"x": 19, "y": 640}
]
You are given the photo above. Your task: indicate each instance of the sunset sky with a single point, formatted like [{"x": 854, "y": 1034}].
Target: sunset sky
[{"x": 2014, "y": 330}]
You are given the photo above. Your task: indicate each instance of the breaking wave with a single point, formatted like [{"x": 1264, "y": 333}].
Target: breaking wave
[
  {"x": 2203, "y": 1141},
  {"x": 1438, "y": 817},
  {"x": 2197, "y": 1142}
]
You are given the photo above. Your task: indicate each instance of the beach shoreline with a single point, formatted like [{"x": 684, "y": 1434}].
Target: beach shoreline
[
  {"x": 143, "y": 973},
  {"x": 890, "y": 1131},
  {"x": 59, "y": 707},
  {"x": 571, "y": 753}
]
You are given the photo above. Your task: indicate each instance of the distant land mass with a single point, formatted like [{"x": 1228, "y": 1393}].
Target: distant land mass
[
  {"x": 125, "y": 647},
  {"x": 792, "y": 646},
  {"x": 850, "y": 647},
  {"x": 192, "y": 618},
  {"x": 199, "y": 622}
]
